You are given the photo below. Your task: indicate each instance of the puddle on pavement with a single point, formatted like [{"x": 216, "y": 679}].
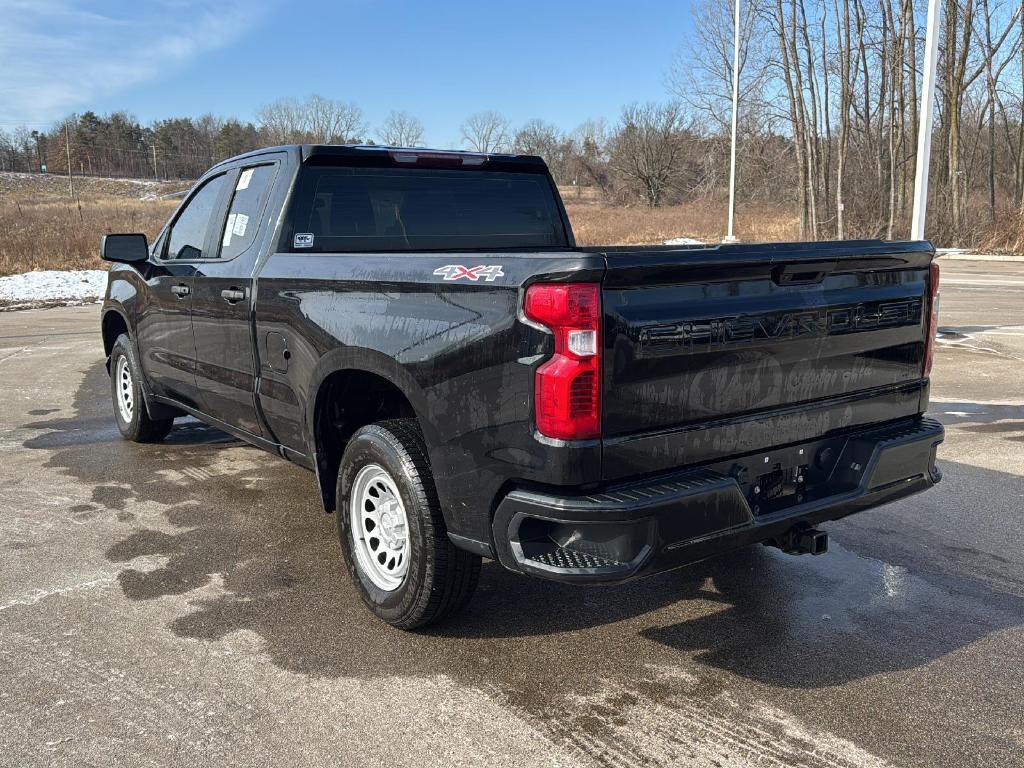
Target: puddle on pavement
[{"x": 251, "y": 524}]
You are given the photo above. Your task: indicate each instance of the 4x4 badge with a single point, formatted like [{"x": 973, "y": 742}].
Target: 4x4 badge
[{"x": 489, "y": 272}]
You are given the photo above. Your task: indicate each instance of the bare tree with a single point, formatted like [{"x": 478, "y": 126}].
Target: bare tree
[
  {"x": 589, "y": 155},
  {"x": 316, "y": 120},
  {"x": 701, "y": 73},
  {"x": 330, "y": 121},
  {"x": 282, "y": 121},
  {"x": 538, "y": 137},
  {"x": 487, "y": 132},
  {"x": 400, "y": 129},
  {"x": 647, "y": 148}
]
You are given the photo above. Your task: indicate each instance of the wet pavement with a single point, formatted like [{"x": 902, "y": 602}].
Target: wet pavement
[{"x": 184, "y": 604}]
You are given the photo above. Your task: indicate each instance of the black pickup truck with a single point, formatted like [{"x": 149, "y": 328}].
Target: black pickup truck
[{"x": 420, "y": 329}]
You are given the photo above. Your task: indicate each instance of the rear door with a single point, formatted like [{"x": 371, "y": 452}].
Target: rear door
[
  {"x": 164, "y": 323},
  {"x": 723, "y": 351},
  {"x": 222, "y": 299}
]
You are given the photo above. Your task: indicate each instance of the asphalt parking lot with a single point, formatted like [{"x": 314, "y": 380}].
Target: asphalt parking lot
[{"x": 183, "y": 604}]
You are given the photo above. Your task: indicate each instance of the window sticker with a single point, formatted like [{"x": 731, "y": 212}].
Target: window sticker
[
  {"x": 303, "y": 240},
  {"x": 228, "y": 231},
  {"x": 241, "y": 222},
  {"x": 244, "y": 179}
]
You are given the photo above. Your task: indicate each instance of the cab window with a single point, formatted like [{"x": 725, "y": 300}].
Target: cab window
[
  {"x": 247, "y": 201},
  {"x": 188, "y": 233}
]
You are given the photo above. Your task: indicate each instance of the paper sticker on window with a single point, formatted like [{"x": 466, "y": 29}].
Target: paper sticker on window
[
  {"x": 303, "y": 240},
  {"x": 241, "y": 222},
  {"x": 228, "y": 231},
  {"x": 244, "y": 179}
]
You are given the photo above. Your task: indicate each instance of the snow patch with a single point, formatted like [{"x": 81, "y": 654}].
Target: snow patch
[
  {"x": 77, "y": 285},
  {"x": 684, "y": 241}
]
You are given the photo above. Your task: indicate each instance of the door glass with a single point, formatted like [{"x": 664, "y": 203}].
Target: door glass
[
  {"x": 188, "y": 234},
  {"x": 243, "y": 215}
]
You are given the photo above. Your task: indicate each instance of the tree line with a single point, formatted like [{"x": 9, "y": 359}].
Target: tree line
[
  {"x": 828, "y": 127},
  {"x": 184, "y": 147},
  {"x": 830, "y": 111}
]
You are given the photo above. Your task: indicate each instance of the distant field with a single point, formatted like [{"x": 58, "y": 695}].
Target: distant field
[
  {"x": 601, "y": 224},
  {"x": 41, "y": 233},
  {"x": 22, "y": 185},
  {"x": 41, "y": 227}
]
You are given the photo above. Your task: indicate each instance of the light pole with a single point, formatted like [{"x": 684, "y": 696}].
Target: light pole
[
  {"x": 731, "y": 236},
  {"x": 924, "y": 136}
]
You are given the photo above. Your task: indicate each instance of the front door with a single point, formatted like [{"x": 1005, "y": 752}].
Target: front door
[
  {"x": 222, "y": 301},
  {"x": 164, "y": 323}
]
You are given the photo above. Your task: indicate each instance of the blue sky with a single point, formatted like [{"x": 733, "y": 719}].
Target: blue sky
[{"x": 563, "y": 60}]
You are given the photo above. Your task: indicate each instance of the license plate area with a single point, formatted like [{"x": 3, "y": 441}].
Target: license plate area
[
  {"x": 778, "y": 488},
  {"x": 785, "y": 477}
]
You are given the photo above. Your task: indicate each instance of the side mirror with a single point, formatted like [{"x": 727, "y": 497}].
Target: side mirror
[
  {"x": 125, "y": 249},
  {"x": 188, "y": 253}
]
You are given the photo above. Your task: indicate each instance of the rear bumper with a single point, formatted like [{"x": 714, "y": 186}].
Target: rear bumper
[{"x": 636, "y": 529}]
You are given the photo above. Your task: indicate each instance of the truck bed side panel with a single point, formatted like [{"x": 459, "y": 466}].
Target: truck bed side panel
[{"x": 454, "y": 347}]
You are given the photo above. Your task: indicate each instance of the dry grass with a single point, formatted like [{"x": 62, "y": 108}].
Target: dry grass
[
  {"x": 41, "y": 232},
  {"x": 1006, "y": 235},
  {"x": 599, "y": 224},
  {"x": 46, "y": 232}
]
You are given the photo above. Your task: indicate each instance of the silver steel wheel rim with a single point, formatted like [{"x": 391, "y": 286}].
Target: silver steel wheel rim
[
  {"x": 380, "y": 528},
  {"x": 125, "y": 390}
]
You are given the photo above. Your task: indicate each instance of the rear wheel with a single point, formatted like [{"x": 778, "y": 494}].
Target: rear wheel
[
  {"x": 133, "y": 420},
  {"x": 392, "y": 532}
]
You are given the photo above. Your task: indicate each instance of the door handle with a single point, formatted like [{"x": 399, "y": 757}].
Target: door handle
[
  {"x": 232, "y": 295},
  {"x": 181, "y": 291}
]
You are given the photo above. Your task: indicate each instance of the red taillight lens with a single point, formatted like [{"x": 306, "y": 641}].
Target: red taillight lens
[
  {"x": 933, "y": 317},
  {"x": 567, "y": 388}
]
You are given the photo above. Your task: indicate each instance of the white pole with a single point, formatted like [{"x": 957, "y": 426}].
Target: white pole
[
  {"x": 924, "y": 136},
  {"x": 731, "y": 236},
  {"x": 67, "y": 145}
]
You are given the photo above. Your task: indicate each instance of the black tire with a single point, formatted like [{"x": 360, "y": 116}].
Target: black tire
[
  {"x": 139, "y": 428},
  {"x": 441, "y": 578}
]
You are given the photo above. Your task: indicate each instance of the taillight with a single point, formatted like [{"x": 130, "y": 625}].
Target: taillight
[
  {"x": 933, "y": 317},
  {"x": 567, "y": 388}
]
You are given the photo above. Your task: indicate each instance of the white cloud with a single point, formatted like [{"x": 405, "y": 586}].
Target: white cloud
[{"x": 57, "y": 56}]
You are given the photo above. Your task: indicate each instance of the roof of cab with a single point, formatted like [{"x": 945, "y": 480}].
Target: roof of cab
[{"x": 309, "y": 152}]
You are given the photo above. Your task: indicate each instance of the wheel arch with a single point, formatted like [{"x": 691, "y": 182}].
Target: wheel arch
[
  {"x": 359, "y": 388},
  {"x": 112, "y": 325}
]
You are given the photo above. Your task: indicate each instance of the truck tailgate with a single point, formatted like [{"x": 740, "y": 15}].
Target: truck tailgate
[{"x": 714, "y": 352}]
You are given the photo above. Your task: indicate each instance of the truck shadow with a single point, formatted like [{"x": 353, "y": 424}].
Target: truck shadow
[{"x": 239, "y": 534}]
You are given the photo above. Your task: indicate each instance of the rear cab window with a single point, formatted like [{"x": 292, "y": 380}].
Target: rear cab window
[{"x": 336, "y": 208}]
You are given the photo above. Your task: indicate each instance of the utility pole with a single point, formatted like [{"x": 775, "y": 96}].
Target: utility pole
[
  {"x": 924, "y": 135},
  {"x": 731, "y": 236},
  {"x": 67, "y": 146},
  {"x": 39, "y": 152},
  {"x": 155, "y": 176}
]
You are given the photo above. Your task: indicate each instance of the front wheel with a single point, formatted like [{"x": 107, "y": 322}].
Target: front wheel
[
  {"x": 392, "y": 532},
  {"x": 133, "y": 420}
]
